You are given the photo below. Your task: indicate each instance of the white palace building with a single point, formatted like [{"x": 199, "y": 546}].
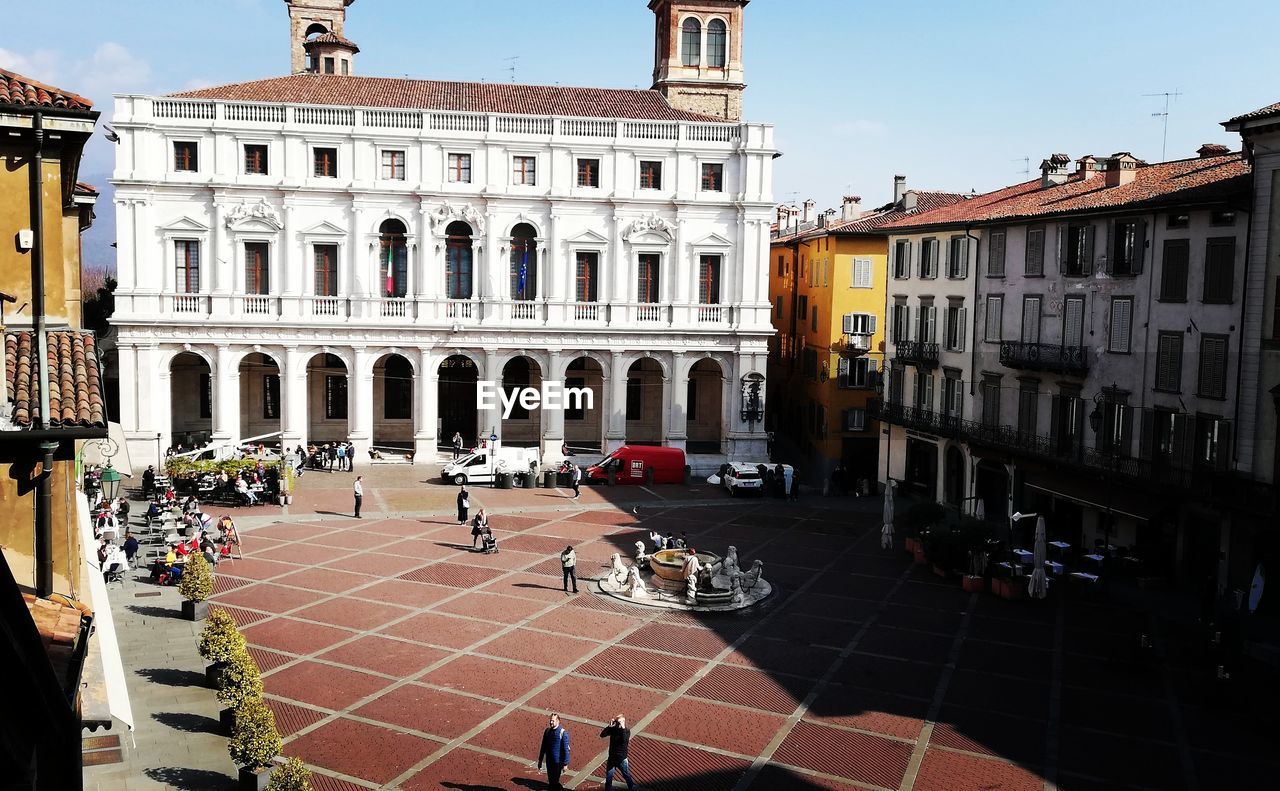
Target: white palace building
[{"x": 339, "y": 257}]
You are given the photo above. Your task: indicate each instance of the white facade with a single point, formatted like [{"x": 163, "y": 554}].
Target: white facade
[{"x": 403, "y": 165}]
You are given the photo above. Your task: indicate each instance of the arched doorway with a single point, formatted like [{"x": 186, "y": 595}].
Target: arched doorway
[
  {"x": 705, "y": 407},
  {"x": 522, "y": 427},
  {"x": 953, "y": 476},
  {"x": 458, "y": 261},
  {"x": 393, "y": 403},
  {"x": 644, "y": 402},
  {"x": 584, "y": 428},
  {"x": 191, "y": 397},
  {"x": 260, "y": 407},
  {"x": 328, "y": 402},
  {"x": 457, "y": 399},
  {"x": 393, "y": 260}
]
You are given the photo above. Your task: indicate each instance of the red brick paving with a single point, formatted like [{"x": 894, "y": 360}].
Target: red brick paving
[
  {"x": 323, "y": 579},
  {"x": 269, "y": 597},
  {"x": 856, "y": 756},
  {"x": 322, "y": 685},
  {"x": 579, "y": 622},
  {"x": 453, "y": 575},
  {"x": 488, "y": 677},
  {"x": 745, "y": 687},
  {"x": 385, "y": 655},
  {"x": 539, "y": 648},
  {"x": 677, "y": 640},
  {"x": 442, "y": 630},
  {"x": 353, "y": 539},
  {"x": 519, "y": 733},
  {"x": 657, "y": 764},
  {"x": 439, "y": 713},
  {"x": 290, "y": 718},
  {"x": 642, "y": 668},
  {"x": 359, "y": 749},
  {"x": 375, "y": 564},
  {"x": 947, "y": 771},
  {"x": 493, "y": 607},
  {"x": 352, "y": 613},
  {"x": 295, "y": 637},
  {"x": 305, "y": 554},
  {"x": 869, "y": 711},
  {"x": 715, "y": 725},
  {"x": 595, "y": 700},
  {"x": 466, "y": 769},
  {"x": 408, "y": 594},
  {"x": 254, "y": 569}
]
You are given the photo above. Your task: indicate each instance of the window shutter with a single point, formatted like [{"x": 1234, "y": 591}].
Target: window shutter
[
  {"x": 964, "y": 257},
  {"x": 915, "y": 332},
  {"x": 1109, "y": 252},
  {"x": 1121, "y": 310},
  {"x": 961, "y": 323},
  {"x": 1055, "y": 415},
  {"x": 1034, "y": 264},
  {"x": 1147, "y": 440},
  {"x": 1139, "y": 247},
  {"x": 1063, "y": 247},
  {"x": 1184, "y": 446},
  {"x": 1031, "y": 320},
  {"x": 1073, "y": 323},
  {"x": 1088, "y": 249}
]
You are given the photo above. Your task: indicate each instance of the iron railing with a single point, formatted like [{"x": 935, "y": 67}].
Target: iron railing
[
  {"x": 917, "y": 353},
  {"x": 1045, "y": 357}
]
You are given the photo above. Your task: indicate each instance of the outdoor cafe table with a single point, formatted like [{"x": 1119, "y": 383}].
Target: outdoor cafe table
[{"x": 1023, "y": 556}]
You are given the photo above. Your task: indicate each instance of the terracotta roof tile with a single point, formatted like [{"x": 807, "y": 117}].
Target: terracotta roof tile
[
  {"x": 75, "y": 379},
  {"x": 332, "y": 38},
  {"x": 86, "y": 188},
  {"x": 1261, "y": 112},
  {"x": 477, "y": 97},
  {"x": 874, "y": 222},
  {"x": 19, "y": 90},
  {"x": 1182, "y": 181}
]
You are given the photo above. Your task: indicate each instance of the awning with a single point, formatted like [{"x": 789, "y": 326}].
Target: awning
[
  {"x": 103, "y": 694},
  {"x": 1092, "y": 495},
  {"x": 113, "y": 449}
]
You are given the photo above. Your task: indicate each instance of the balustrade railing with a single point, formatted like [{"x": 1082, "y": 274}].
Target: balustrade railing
[
  {"x": 328, "y": 306},
  {"x": 460, "y": 309},
  {"x": 1044, "y": 357},
  {"x": 587, "y": 311},
  {"x": 710, "y": 314},
  {"x": 649, "y": 313},
  {"x": 916, "y": 352},
  {"x": 256, "y": 305},
  {"x": 190, "y": 303},
  {"x": 394, "y": 308}
]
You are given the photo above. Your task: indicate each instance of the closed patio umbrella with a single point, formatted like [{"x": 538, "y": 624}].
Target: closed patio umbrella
[
  {"x": 980, "y": 511},
  {"x": 1038, "y": 585},
  {"x": 886, "y": 532}
]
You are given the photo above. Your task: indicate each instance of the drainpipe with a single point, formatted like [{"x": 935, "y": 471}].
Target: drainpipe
[
  {"x": 973, "y": 353},
  {"x": 1244, "y": 330},
  {"x": 44, "y": 485}
]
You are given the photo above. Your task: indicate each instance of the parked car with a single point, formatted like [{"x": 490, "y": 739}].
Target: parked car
[
  {"x": 481, "y": 466},
  {"x": 639, "y": 464},
  {"x": 737, "y": 478}
]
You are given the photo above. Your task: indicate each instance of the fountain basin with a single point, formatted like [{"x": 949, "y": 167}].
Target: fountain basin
[{"x": 668, "y": 564}]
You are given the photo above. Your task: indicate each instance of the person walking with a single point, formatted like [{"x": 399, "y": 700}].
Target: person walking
[
  {"x": 340, "y": 451},
  {"x": 569, "y": 562},
  {"x": 554, "y": 752},
  {"x": 464, "y": 503},
  {"x": 619, "y": 743},
  {"x": 575, "y": 478},
  {"x": 457, "y": 445},
  {"x": 351, "y": 457},
  {"x": 149, "y": 482},
  {"x": 358, "y": 490},
  {"x": 478, "y": 526}
]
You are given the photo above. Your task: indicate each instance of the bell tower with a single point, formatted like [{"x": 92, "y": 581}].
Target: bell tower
[
  {"x": 697, "y": 62},
  {"x": 309, "y": 19}
]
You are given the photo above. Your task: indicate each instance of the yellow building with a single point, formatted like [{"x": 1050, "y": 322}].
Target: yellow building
[{"x": 827, "y": 280}]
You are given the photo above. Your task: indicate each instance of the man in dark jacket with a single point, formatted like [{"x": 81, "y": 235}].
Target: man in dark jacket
[
  {"x": 619, "y": 742},
  {"x": 555, "y": 751}
]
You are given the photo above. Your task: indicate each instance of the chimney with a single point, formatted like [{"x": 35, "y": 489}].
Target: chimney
[
  {"x": 1122, "y": 168},
  {"x": 1086, "y": 167},
  {"x": 1212, "y": 150},
  {"x": 784, "y": 217},
  {"x": 809, "y": 205},
  {"x": 909, "y": 200},
  {"x": 850, "y": 208},
  {"x": 1053, "y": 171},
  {"x": 899, "y": 188}
]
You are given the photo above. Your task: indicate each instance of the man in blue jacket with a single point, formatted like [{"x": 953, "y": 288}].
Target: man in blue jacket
[{"x": 555, "y": 751}]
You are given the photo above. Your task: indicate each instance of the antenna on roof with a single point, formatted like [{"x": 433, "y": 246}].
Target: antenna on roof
[
  {"x": 1164, "y": 116},
  {"x": 1026, "y": 165},
  {"x": 511, "y": 65}
]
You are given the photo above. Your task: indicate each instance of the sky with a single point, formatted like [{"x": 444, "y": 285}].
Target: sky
[{"x": 955, "y": 95}]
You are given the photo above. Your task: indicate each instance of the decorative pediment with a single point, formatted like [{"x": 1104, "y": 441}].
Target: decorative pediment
[
  {"x": 254, "y": 216},
  {"x": 713, "y": 240},
  {"x": 185, "y": 225},
  {"x": 325, "y": 228},
  {"x": 447, "y": 212},
  {"x": 588, "y": 237},
  {"x": 649, "y": 229}
]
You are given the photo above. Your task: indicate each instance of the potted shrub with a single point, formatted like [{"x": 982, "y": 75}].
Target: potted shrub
[
  {"x": 292, "y": 775},
  {"x": 975, "y": 579},
  {"x": 196, "y": 586},
  {"x": 254, "y": 745},
  {"x": 219, "y": 642},
  {"x": 914, "y": 521},
  {"x": 241, "y": 681}
]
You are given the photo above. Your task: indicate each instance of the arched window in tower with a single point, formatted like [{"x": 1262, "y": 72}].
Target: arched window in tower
[
  {"x": 394, "y": 259},
  {"x": 691, "y": 42},
  {"x": 717, "y": 44},
  {"x": 524, "y": 263},
  {"x": 457, "y": 265},
  {"x": 315, "y": 30}
]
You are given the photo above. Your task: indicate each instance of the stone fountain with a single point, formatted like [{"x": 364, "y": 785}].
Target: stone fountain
[{"x": 685, "y": 579}]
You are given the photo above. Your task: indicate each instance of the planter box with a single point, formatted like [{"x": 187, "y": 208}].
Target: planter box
[
  {"x": 973, "y": 584},
  {"x": 226, "y": 721},
  {"x": 213, "y": 675},
  {"x": 195, "y": 610},
  {"x": 255, "y": 779},
  {"x": 1011, "y": 590}
]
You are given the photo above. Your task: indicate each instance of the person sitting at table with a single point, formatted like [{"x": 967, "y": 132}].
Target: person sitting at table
[
  {"x": 130, "y": 547},
  {"x": 114, "y": 563},
  {"x": 122, "y": 510},
  {"x": 153, "y": 513},
  {"x": 209, "y": 551},
  {"x": 170, "y": 497},
  {"x": 242, "y": 488}
]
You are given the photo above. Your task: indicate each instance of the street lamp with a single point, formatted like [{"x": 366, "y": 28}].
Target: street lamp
[
  {"x": 1018, "y": 516},
  {"x": 110, "y": 482}
]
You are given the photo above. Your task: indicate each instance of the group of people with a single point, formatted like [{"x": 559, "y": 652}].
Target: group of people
[
  {"x": 669, "y": 541},
  {"x": 554, "y": 752},
  {"x": 168, "y": 570},
  {"x": 330, "y": 456}
]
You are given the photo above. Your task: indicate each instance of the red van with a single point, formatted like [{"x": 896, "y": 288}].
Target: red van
[{"x": 639, "y": 464}]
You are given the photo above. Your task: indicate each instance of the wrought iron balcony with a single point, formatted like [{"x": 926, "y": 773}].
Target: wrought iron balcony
[
  {"x": 1072, "y": 360},
  {"x": 917, "y": 353}
]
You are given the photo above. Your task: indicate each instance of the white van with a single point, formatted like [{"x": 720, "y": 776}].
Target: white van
[{"x": 479, "y": 467}]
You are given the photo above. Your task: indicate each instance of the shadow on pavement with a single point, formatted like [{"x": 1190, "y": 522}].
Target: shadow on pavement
[
  {"x": 191, "y": 779},
  {"x": 186, "y": 722},
  {"x": 172, "y": 677},
  {"x": 154, "y": 611}
]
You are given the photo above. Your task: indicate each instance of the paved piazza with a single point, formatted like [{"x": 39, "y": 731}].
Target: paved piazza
[{"x": 395, "y": 658}]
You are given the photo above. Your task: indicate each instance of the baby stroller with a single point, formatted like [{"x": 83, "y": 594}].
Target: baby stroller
[{"x": 488, "y": 544}]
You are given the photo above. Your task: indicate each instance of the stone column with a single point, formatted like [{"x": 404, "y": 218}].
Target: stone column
[
  {"x": 490, "y": 420},
  {"x": 127, "y": 368},
  {"x": 675, "y": 416},
  {"x": 553, "y": 417},
  {"x": 616, "y": 403},
  {"x": 216, "y": 256},
  {"x": 161, "y": 416},
  {"x": 360, "y": 402},
  {"x": 226, "y": 398},
  {"x": 426, "y": 392},
  {"x": 293, "y": 397}
]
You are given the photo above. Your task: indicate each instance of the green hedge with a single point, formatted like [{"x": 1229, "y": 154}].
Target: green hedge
[{"x": 232, "y": 467}]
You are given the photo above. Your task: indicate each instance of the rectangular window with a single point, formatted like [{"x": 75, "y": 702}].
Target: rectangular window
[
  {"x": 255, "y": 159},
  {"x": 782, "y": 266},
  {"x": 958, "y": 258},
  {"x": 854, "y": 373},
  {"x": 326, "y": 270},
  {"x": 647, "y": 288},
  {"x": 955, "y": 327},
  {"x": 814, "y": 324},
  {"x": 393, "y": 166},
  {"x": 1222, "y": 218},
  {"x": 329, "y": 65},
  {"x": 855, "y": 419},
  {"x": 1121, "y": 321},
  {"x": 460, "y": 168},
  {"x": 187, "y": 254},
  {"x": 993, "y": 330},
  {"x": 325, "y": 162},
  {"x": 335, "y": 398},
  {"x": 1213, "y": 366},
  {"x": 862, "y": 273},
  {"x": 1028, "y": 396},
  {"x": 1173, "y": 270},
  {"x": 635, "y": 399},
  {"x": 1031, "y": 319},
  {"x": 1169, "y": 362},
  {"x": 928, "y": 329},
  {"x": 587, "y": 277},
  {"x": 206, "y": 396},
  {"x": 650, "y": 175},
  {"x": 271, "y": 396},
  {"x": 929, "y": 258},
  {"x": 859, "y": 324},
  {"x": 1178, "y": 221},
  {"x": 897, "y": 377},
  {"x": 712, "y": 177},
  {"x": 588, "y": 173},
  {"x": 1033, "y": 265},
  {"x": 991, "y": 401},
  {"x": 952, "y": 396},
  {"x": 902, "y": 259},
  {"x": 1219, "y": 270},
  {"x": 901, "y": 323},
  {"x": 186, "y": 156},
  {"x": 709, "y": 280},
  {"x": 1073, "y": 321},
  {"x": 777, "y": 308},
  {"x": 524, "y": 171},
  {"x": 1128, "y": 245},
  {"x": 1077, "y": 252},
  {"x": 924, "y": 389},
  {"x": 995, "y": 254},
  {"x": 1117, "y": 431},
  {"x": 257, "y": 273},
  {"x": 803, "y": 309}
]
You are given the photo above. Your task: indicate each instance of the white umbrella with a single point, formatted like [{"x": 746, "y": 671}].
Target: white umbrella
[
  {"x": 980, "y": 511},
  {"x": 1038, "y": 585},
  {"x": 886, "y": 532}
]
